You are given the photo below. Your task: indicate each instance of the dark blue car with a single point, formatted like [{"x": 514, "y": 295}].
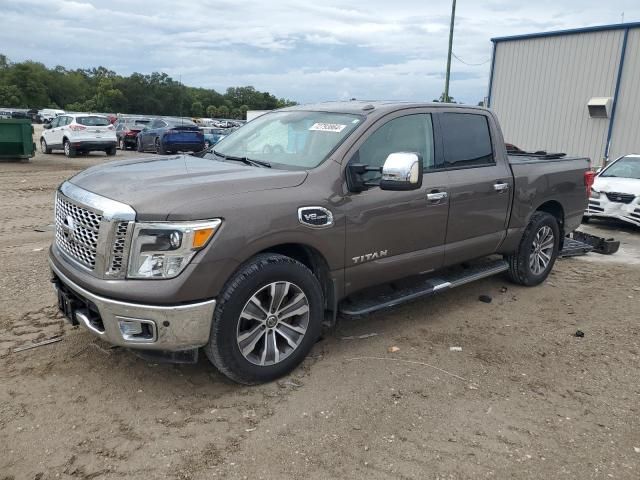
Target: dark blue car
[{"x": 170, "y": 135}]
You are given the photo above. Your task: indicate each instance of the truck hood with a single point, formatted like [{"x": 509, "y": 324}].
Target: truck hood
[
  {"x": 158, "y": 185},
  {"x": 617, "y": 184}
]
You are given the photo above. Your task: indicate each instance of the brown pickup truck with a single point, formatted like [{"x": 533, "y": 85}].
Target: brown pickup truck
[{"x": 246, "y": 250}]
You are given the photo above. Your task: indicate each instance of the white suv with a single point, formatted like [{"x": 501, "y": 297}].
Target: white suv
[{"x": 79, "y": 133}]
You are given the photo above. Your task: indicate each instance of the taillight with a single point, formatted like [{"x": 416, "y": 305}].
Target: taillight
[
  {"x": 589, "y": 178},
  {"x": 76, "y": 128}
]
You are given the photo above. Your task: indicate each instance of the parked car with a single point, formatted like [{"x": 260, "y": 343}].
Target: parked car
[
  {"x": 248, "y": 250},
  {"x": 616, "y": 191},
  {"x": 78, "y": 133},
  {"x": 170, "y": 135},
  {"x": 48, "y": 114},
  {"x": 5, "y": 115},
  {"x": 214, "y": 135},
  {"x": 127, "y": 130}
]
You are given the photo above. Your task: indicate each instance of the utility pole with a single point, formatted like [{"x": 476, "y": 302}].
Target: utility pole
[{"x": 446, "y": 81}]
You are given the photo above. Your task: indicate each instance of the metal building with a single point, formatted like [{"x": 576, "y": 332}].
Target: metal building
[{"x": 574, "y": 91}]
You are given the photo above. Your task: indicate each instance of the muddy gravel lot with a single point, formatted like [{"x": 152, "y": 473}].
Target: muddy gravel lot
[{"x": 522, "y": 397}]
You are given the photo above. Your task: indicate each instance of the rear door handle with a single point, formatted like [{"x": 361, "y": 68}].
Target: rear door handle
[
  {"x": 436, "y": 196},
  {"x": 500, "y": 187}
]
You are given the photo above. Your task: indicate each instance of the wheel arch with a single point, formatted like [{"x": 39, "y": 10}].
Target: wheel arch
[
  {"x": 315, "y": 261},
  {"x": 554, "y": 208}
]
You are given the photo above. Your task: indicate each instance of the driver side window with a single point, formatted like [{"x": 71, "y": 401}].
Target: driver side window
[{"x": 411, "y": 133}]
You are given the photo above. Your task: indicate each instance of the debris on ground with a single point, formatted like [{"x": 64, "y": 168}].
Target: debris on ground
[
  {"x": 39, "y": 344},
  {"x": 359, "y": 337},
  {"x": 393, "y": 349},
  {"x": 485, "y": 298},
  {"x": 579, "y": 334},
  {"x": 455, "y": 349},
  {"x": 503, "y": 290}
]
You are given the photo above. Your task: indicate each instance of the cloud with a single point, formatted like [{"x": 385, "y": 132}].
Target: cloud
[{"x": 303, "y": 51}]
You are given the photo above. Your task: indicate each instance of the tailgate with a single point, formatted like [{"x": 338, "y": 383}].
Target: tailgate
[{"x": 185, "y": 135}]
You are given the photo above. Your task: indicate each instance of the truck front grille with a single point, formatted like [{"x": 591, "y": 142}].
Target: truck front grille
[
  {"x": 620, "y": 197},
  {"x": 119, "y": 248},
  {"x": 77, "y": 230}
]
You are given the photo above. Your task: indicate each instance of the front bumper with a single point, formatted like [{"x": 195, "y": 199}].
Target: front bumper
[
  {"x": 167, "y": 328},
  {"x": 604, "y": 208}
]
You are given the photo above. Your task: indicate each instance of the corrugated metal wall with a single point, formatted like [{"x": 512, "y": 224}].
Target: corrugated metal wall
[
  {"x": 626, "y": 126},
  {"x": 541, "y": 87}
]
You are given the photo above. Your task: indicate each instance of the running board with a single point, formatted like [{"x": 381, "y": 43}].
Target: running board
[{"x": 397, "y": 293}]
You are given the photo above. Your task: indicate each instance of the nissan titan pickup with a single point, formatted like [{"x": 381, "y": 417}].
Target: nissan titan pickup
[{"x": 245, "y": 251}]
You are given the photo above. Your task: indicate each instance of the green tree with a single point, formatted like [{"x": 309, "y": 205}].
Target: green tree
[
  {"x": 223, "y": 111},
  {"x": 9, "y": 95},
  {"x": 212, "y": 111},
  {"x": 197, "y": 109}
]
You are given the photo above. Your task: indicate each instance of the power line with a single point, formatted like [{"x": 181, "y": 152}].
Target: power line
[{"x": 470, "y": 64}]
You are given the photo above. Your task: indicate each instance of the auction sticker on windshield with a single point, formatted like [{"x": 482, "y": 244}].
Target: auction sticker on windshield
[{"x": 327, "y": 127}]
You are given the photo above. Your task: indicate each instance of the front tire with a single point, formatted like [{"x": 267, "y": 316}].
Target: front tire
[
  {"x": 111, "y": 151},
  {"x": 44, "y": 147},
  {"x": 160, "y": 150},
  {"x": 139, "y": 146},
  {"x": 268, "y": 317},
  {"x": 533, "y": 261}
]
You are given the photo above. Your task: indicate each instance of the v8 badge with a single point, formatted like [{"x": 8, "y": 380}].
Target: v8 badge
[{"x": 315, "y": 217}]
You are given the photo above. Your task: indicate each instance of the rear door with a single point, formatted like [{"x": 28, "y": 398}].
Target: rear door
[
  {"x": 392, "y": 235},
  {"x": 480, "y": 185}
]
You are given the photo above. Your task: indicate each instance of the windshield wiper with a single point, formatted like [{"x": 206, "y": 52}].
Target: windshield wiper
[{"x": 245, "y": 160}]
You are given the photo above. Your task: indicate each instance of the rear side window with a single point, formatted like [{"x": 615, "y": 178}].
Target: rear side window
[
  {"x": 93, "y": 121},
  {"x": 467, "y": 142}
]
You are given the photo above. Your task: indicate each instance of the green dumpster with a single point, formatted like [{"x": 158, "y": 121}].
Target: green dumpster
[{"x": 16, "y": 138}]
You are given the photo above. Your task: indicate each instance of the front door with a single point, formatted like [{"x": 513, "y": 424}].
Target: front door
[
  {"x": 390, "y": 235},
  {"x": 480, "y": 187}
]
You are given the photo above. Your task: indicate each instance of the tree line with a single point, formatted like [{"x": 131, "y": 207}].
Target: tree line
[{"x": 31, "y": 84}]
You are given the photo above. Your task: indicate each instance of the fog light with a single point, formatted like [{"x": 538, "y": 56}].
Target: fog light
[
  {"x": 130, "y": 328},
  {"x": 137, "y": 330}
]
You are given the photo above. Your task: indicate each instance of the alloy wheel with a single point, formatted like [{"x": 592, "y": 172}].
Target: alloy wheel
[
  {"x": 67, "y": 148},
  {"x": 541, "y": 250},
  {"x": 273, "y": 323}
]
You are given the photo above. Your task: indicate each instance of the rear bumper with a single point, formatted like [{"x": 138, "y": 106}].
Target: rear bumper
[
  {"x": 167, "y": 328},
  {"x": 183, "y": 146},
  {"x": 88, "y": 145},
  {"x": 603, "y": 208}
]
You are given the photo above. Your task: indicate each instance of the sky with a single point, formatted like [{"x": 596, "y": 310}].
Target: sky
[{"x": 303, "y": 51}]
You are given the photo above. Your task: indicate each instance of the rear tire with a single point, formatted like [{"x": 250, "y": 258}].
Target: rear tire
[
  {"x": 586, "y": 219},
  {"x": 533, "y": 261},
  {"x": 69, "y": 151},
  {"x": 111, "y": 151},
  {"x": 261, "y": 298}
]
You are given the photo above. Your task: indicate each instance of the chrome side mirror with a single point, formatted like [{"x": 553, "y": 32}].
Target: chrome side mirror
[{"x": 402, "y": 171}]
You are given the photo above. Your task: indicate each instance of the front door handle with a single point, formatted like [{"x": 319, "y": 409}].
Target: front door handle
[
  {"x": 500, "y": 187},
  {"x": 436, "y": 196}
]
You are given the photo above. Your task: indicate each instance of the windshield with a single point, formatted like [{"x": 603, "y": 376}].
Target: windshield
[
  {"x": 626, "y": 167},
  {"x": 93, "y": 121},
  {"x": 289, "y": 139}
]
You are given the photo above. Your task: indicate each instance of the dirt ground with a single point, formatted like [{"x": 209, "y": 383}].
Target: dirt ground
[{"x": 524, "y": 398}]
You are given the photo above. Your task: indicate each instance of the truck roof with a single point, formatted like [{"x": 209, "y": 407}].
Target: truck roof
[{"x": 363, "y": 107}]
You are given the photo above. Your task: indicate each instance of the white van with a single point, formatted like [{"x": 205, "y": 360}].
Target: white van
[{"x": 48, "y": 114}]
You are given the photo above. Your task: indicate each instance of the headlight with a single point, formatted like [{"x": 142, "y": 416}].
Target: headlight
[
  {"x": 163, "y": 250},
  {"x": 594, "y": 194}
]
